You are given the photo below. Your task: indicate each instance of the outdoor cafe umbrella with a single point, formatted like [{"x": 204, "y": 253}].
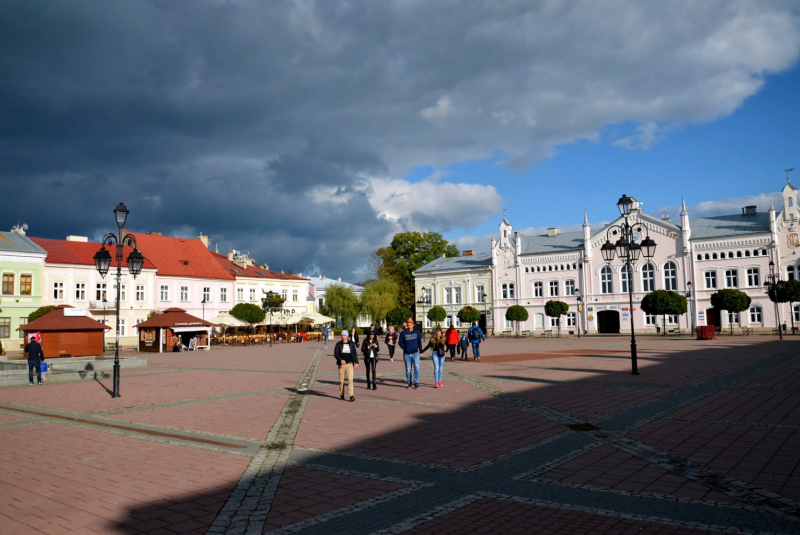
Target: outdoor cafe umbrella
[{"x": 226, "y": 320}]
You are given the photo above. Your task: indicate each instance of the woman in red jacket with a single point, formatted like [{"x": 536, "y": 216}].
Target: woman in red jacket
[{"x": 451, "y": 338}]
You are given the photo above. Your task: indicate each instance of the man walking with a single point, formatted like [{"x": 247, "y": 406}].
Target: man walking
[
  {"x": 410, "y": 341},
  {"x": 346, "y": 354},
  {"x": 475, "y": 335},
  {"x": 34, "y": 352}
]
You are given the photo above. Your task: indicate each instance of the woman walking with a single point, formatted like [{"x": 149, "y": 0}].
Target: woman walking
[
  {"x": 391, "y": 341},
  {"x": 451, "y": 338},
  {"x": 370, "y": 349},
  {"x": 439, "y": 347}
]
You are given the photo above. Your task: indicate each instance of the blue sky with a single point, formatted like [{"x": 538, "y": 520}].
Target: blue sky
[{"x": 739, "y": 156}]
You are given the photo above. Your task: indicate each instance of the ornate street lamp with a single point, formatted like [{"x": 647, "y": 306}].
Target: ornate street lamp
[
  {"x": 102, "y": 261},
  {"x": 691, "y": 307},
  {"x": 423, "y": 301},
  {"x": 629, "y": 251},
  {"x": 203, "y": 304},
  {"x": 776, "y": 285},
  {"x": 579, "y": 299}
]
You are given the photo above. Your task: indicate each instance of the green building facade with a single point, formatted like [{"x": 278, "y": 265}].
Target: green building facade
[{"x": 21, "y": 267}]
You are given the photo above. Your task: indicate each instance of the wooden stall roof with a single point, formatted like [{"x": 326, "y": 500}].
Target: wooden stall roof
[
  {"x": 174, "y": 317},
  {"x": 55, "y": 321}
]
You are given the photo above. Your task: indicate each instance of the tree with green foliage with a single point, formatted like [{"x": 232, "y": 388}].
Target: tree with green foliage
[
  {"x": 663, "y": 302},
  {"x": 437, "y": 314},
  {"x": 788, "y": 294},
  {"x": 379, "y": 298},
  {"x": 469, "y": 315},
  {"x": 397, "y": 316},
  {"x": 731, "y": 300},
  {"x": 341, "y": 303},
  {"x": 273, "y": 301},
  {"x": 39, "y": 312},
  {"x": 516, "y": 313},
  {"x": 556, "y": 309},
  {"x": 408, "y": 252},
  {"x": 248, "y": 313}
]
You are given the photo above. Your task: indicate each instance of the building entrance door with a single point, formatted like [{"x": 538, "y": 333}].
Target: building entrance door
[
  {"x": 608, "y": 322},
  {"x": 538, "y": 321},
  {"x": 713, "y": 318}
]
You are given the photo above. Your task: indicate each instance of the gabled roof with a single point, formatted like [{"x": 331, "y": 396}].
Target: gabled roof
[
  {"x": 560, "y": 243},
  {"x": 80, "y": 253},
  {"x": 181, "y": 257},
  {"x": 457, "y": 263},
  {"x": 55, "y": 321},
  {"x": 729, "y": 225},
  {"x": 256, "y": 272},
  {"x": 174, "y": 317},
  {"x": 16, "y": 243}
]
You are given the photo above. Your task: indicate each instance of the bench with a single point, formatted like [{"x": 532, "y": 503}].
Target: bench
[
  {"x": 111, "y": 346},
  {"x": 674, "y": 332},
  {"x": 747, "y": 331},
  {"x": 547, "y": 334}
]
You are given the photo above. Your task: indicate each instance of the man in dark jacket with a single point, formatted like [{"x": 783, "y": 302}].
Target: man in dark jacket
[
  {"x": 410, "y": 341},
  {"x": 346, "y": 354},
  {"x": 34, "y": 351}
]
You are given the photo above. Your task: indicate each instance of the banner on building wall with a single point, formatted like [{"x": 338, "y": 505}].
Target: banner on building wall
[{"x": 794, "y": 238}]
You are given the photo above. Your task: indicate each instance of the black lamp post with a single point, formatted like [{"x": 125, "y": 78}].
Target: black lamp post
[
  {"x": 104, "y": 303},
  {"x": 628, "y": 251},
  {"x": 579, "y": 299},
  {"x": 777, "y": 285},
  {"x": 269, "y": 307},
  {"x": 203, "y": 304},
  {"x": 691, "y": 308},
  {"x": 102, "y": 261},
  {"x": 423, "y": 301}
]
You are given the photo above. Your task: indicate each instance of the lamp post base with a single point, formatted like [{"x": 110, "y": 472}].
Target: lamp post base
[
  {"x": 634, "y": 364},
  {"x": 115, "y": 394}
]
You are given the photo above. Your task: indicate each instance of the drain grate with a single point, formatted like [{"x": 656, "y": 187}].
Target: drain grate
[{"x": 582, "y": 427}]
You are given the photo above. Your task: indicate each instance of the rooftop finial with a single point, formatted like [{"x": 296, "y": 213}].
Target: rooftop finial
[
  {"x": 585, "y": 217},
  {"x": 683, "y": 205},
  {"x": 788, "y": 170}
]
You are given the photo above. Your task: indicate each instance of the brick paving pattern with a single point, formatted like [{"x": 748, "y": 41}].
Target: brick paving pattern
[{"x": 545, "y": 436}]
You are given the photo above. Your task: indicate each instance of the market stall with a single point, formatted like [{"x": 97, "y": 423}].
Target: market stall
[
  {"x": 161, "y": 333},
  {"x": 67, "y": 332}
]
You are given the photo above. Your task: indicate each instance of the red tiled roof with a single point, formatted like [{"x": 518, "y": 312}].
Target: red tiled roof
[
  {"x": 181, "y": 257},
  {"x": 255, "y": 272},
  {"x": 174, "y": 317},
  {"x": 55, "y": 321},
  {"x": 80, "y": 253}
]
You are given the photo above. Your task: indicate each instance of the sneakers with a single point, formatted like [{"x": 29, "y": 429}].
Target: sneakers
[
  {"x": 340, "y": 397},
  {"x": 416, "y": 386},
  {"x": 32, "y": 383},
  {"x": 409, "y": 385},
  {"x": 352, "y": 398}
]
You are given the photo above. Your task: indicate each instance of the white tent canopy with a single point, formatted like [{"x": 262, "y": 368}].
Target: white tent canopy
[{"x": 227, "y": 320}]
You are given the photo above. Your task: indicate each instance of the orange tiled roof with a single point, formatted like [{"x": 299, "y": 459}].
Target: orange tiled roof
[
  {"x": 80, "y": 253},
  {"x": 181, "y": 257},
  {"x": 55, "y": 321},
  {"x": 255, "y": 272},
  {"x": 174, "y": 317}
]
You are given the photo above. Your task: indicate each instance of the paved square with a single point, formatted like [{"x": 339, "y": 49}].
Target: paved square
[{"x": 546, "y": 436}]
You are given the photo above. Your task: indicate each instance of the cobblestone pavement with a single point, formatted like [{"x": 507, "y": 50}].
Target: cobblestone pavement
[{"x": 546, "y": 436}]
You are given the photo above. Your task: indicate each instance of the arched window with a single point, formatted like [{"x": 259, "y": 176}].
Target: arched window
[
  {"x": 606, "y": 282},
  {"x": 707, "y": 258},
  {"x": 670, "y": 276},
  {"x": 699, "y": 257},
  {"x": 648, "y": 278}
]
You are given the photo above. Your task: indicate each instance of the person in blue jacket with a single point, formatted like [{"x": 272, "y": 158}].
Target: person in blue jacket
[
  {"x": 410, "y": 341},
  {"x": 476, "y": 336}
]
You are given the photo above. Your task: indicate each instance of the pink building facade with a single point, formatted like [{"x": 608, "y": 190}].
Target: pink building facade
[{"x": 710, "y": 253}]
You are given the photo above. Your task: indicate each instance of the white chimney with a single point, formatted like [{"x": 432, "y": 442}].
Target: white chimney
[
  {"x": 552, "y": 231},
  {"x": 78, "y": 238}
]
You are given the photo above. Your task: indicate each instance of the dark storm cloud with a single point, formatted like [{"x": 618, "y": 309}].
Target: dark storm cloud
[{"x": 282, "y": 127}]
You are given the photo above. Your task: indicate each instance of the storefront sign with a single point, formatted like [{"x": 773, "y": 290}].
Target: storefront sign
[
  {"x": 701, "y": 315},
  {"x": 188, "y": 323}
]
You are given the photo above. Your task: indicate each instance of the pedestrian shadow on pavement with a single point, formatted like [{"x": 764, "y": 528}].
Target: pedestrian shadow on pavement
[{"x": 465, "y": 435}]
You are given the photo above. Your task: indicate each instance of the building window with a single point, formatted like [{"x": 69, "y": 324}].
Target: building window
[
  {"x": 26, "y": 284},
  {"x": 295, "y": 296},
  {"x": 648, "y": 278},
  {"x": 80, "y": 291},
  {"x": 448, "y": 296},
  {"x": 571, "y": 319},
  {"x": 672, "y": 319},
  {"x": 223, "y": 295},
  {"x": 457, "y": 295},
  {"x": 796, "y": 313},
  {"x": 623, "y": 279},
  {"x": 650, "y": 319},
  {"x": 538, "y": 290},
  {"x": 753, "y": 277},
  {"x": 733, "y": 318},
  {"x": 671, "y": 276},
  {"x": 140, "y": 320},
  {"x": 23, "y": 321},
  {"x": 239, "y": 294},
  {"x": 8, "y": 284},
  {"x": 5, "y": 327},
  {"x": 122, "y": 327},
  {"x": 606, "y": 283},
  {"x": 207, "y": 294},
  {"x": 479, "y": 294},
  {"x": 757, "y": 317},
  {"x": 790, "y": 273},
  {"x": 711, "y": 280},
  {"x": 140, "y": 293},
  {"x": 100, "y": 292},
  {"x": 553, "y": 322},
  {"x": 508, "y": 290},
  {"x": 553, "y": 289},
  {"x": 164, "y": 293},
  {"x": 427, "y": 295},
  {"x": 252, "y": 294},
  {"x": 285, "y": 295},
  {"x": 184, "y": 293},
  {"x": 569, "y": 287},
  {"x": 123, "y": 292},
  {"x": 731, "y": 278}
]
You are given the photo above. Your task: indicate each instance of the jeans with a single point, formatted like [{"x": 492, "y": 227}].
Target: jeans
[
  {"x": 452, "y": 348},
  {"x": 391, "y": 351},
  {"x": 326, "y": 342},
  {"x": 476, "y": 350},
  {"x": 412, "y": 359},
  {"x": 31, "y": 366},
  {"x": 438, "y": 366},
  {"x": 371, "y": 364}
]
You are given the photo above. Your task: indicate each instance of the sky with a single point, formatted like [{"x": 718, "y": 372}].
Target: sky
[{"x": 310, "y": 132}]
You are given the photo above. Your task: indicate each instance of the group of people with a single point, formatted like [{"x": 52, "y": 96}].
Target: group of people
[{"x": 411, "y": 344}]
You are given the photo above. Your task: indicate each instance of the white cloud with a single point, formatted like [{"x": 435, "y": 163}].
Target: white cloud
[
  {"x": 726, "y": 205},
  {"x": 438, "y": 113},
  {"x": 647, "y": 135}
]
